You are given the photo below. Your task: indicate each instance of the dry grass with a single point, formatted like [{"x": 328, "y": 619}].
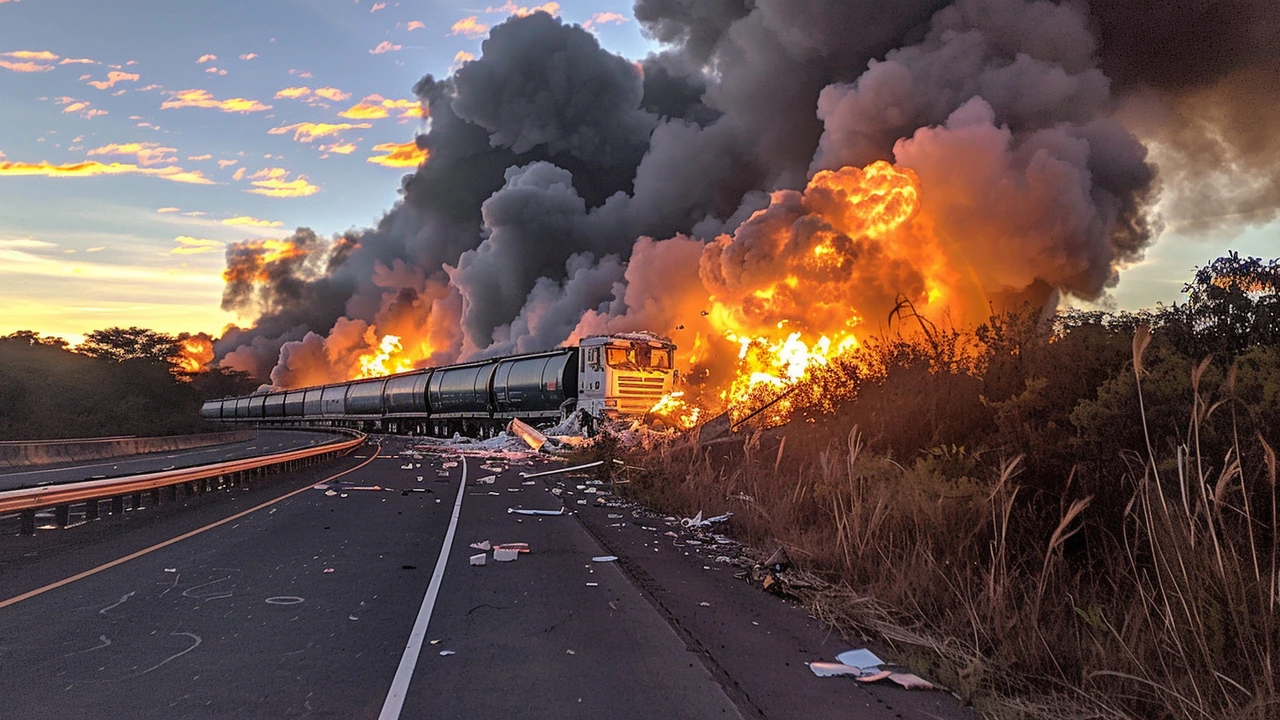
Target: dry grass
[{"x": 1169, "y": 613}]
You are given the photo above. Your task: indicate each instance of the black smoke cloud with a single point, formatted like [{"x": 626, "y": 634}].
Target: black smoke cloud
[{"x": 550, "y": 156}]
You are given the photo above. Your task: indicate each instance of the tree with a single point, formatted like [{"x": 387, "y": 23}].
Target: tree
[
  {"x": 134, "y": 343},
  {"x": 1233, "y": 303},
  {"x": 31, "y": 337}
]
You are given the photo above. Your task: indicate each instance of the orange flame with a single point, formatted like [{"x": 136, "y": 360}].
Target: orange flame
[
  {"x": 195, "y": 354},
  {"x": 387, "y": 359}
]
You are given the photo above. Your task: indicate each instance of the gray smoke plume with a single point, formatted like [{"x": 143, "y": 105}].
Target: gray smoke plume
[{"x": 1029, "y": 123}]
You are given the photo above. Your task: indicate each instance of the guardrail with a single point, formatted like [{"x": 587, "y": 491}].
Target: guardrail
[{"x": 193, "y": 481}]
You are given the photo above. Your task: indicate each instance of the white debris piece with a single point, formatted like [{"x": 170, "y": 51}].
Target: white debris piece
[
  {"x": 829, "y": 669},
  {"x": 478, "y": 559}
]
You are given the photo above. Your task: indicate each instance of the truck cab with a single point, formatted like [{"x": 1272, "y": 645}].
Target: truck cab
[{"x": 624, "y": 374}]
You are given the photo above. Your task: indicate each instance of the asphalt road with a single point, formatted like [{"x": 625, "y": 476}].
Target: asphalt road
[
  {"x": 339, "y": 602},
  {"x": 266, "y": 442}
]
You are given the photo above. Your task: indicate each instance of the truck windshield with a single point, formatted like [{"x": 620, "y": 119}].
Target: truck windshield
[{"x": 639, "y": 357}]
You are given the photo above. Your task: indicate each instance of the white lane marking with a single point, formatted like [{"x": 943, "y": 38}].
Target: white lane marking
[{"x": 404, "y": 674}]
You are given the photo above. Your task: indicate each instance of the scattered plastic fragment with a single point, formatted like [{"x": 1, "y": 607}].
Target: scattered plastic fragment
[
  {"x": 407, "y": 466},
  {"x": 328, "y": 570},
  {"x": 570, "y": 652},
  {"x": 697, "y": 521},
  {"x": 517, "y": 546},
  {"x": 450, "y": 464},
  {"x": 482, "y": 545},
  {"x": 330, "y": 493},
  {"x": 604, "y": 558},
  {"x": 911, "y": 681},
  {"x": 171, "y": 569},
  {"x": 435, "y": 642},
  {"x": 704, "y": 604},
  {"x": 615, "y": 516},
  {"x": 528, "y": 511},
  {"x": 445, "y": 653},
  {"x": 529, "y": 482},
  {"x": 486, "y": 480},
  {"x": 505, "y": 555},
  {"x": 861, "y": 658},
  {"x": 593, "y": 584},
  {"x": 875, "y": 676},
  {"x": 527, "y": 433},
  {"x": 830, "y": 669},
  {"x": 478, "y": 559},
  {"x": 559, "y": 471}
]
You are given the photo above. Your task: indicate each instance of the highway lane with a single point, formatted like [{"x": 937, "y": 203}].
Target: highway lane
[
  {"x": 264, "y": 442},
  {"x": 304, "y": 608}
]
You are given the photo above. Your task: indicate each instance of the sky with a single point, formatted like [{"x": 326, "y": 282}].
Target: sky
[{"x": 139, "y": 137}]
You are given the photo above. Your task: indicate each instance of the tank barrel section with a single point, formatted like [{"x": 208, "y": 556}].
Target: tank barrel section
[{"x": 605, "y": 376}]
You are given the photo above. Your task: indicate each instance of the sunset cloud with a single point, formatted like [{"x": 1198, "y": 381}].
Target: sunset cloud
[
  {"x": 273, "y": 182},
  {"x": 83, "y": 108},
  {"x": 77, "y": 61},
  {"x": 341, "y": 148},
  {"x": 307, "y": 131},
  {"x": 249, "y": 56},
  {"x": 415, "y": 25},
  {"x": 461, "y": 57},
  {"x": 147, "y": 154},
  {"x": 28, "y": 61},
  {"x": 293, "y": 93},
  {"x": 204, "y": 99},
  {"x": 604, "y": 18},
  {"x": 385, "y": 46},
  {"x": 331, "y": 93},
  {"x": 469, "y": 27},
  {"x": 211, "y": 70},
  {"x": 376, "y": 107},
  {"x": 194, "y": 246},
  {"x": 226, "y": 163},
  {"x": 114, "y": 77},
  {"x": 299, "y": 73},
  {"x": 91, "y": 168},
  {"x": 248, "y": 221},
  {"x": 510, "y": 8},
  {"x": 198, "y": 158},
  {"x": 399, "y": 155},
  {"x": 378, "y": 6},
  {"x": 168, "y": 210},
  {"x": 206, "y": 58}
]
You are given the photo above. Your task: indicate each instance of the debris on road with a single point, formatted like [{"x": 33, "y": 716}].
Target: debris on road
[
  {"x": 486, "y": 480},
  {"x": 911, "y": 681},
  {"x": 527, "y": 433},
  {"x": 328, "y": 570},
  {"x": 860, "y": 658},
  {"x": 478, "y": 559},
  {"x": 528, "y": 511},
  {"x": 830, "y": 669},
  {"x": 517, "y": 546},
  {"x": 604, "y": 558},
  {"x": 446, "y": 653},
  {"x": 697, "y": 522},
  {"x": 505, "y": 555},
  {"x": 559, "y": 471},
  {"x": 482, "y": 545}
]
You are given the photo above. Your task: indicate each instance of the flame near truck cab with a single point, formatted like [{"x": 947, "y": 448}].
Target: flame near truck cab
[{"x": 623, "y": 375}]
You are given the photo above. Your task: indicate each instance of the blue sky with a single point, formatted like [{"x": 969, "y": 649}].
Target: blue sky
[
  {"x": 243, "y": 151},
  {"x": 79, "y": 253}
]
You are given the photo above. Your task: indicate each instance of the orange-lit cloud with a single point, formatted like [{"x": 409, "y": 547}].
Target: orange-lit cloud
[
  {"x": 204, "y": 99},
  {"x": 247, "y": 221},
  {"x": 385, "y": 46},
  {"x": 469, "y": 27},
  {"x": 198, "y": 158},
  {"x": 376, "y": 107},
  {"x": 83, "y": 108},
  {"x": 293, "y": 93},
  {"x": 510, "y": 8},
  {"x": 91, "y": 168},
  {"x": 273, "y": 182},
  {"x": 399, "y": 155},
  {"x": 378, "y": 6},
  {"x": 334, "y": 94},
  {"x": 461, "y": 57},
  {"x": 206, "y": 58},
  {"x": 147, "y": 154},
  {"x": 77, "y": 61},
  {"x": 239, "y": 174},
  {"x": 604, "y": 18},
  {"x": 211, "y": 70},
  {"x": 167, "y": 210},
  {"x": 195, "y": 246},
  {"x": 306, "y": 131},
  {"x": 114, "y": 77},
  {"x": 249, "y": 56},
  {"x": 28, "y": 61},
  {"x": 415, "y": 25},
  {"x": 299, "y": 73},
  {"x": 344, "y": 148},
  {"x": 226, "y": 163}
]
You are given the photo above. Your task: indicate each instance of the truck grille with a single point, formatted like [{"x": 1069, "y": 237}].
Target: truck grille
[{"x": 638, "y": 393}]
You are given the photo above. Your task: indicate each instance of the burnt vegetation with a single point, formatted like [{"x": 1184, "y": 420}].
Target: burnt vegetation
[
  {"x": 119, "y": 381},
  {"x": 1068, "y": 516}
]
